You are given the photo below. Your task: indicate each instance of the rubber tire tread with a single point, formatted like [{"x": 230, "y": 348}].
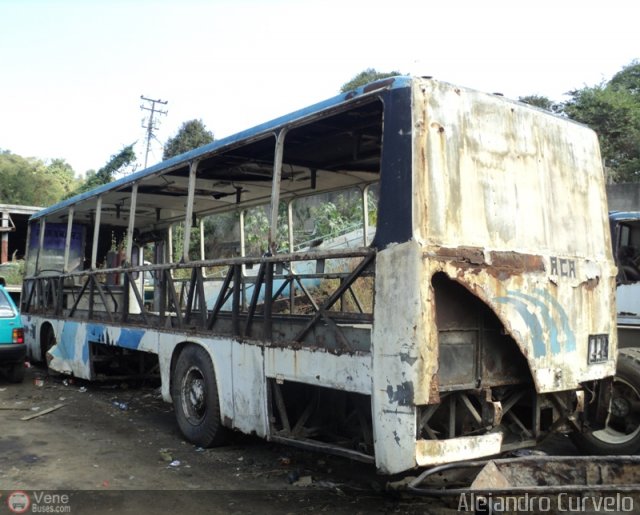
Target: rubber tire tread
[
  {"x": 629, "y": 369},
  {"x": 210, "y": 432}
]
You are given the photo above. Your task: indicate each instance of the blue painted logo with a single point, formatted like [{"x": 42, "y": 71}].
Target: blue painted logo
[{"x": 551, "y": 315}]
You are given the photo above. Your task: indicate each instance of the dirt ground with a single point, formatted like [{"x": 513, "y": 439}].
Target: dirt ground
[{"x": 116, "y": 448}]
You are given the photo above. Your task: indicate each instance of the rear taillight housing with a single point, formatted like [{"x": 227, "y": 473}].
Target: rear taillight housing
[{"x": 18, "y": 335}]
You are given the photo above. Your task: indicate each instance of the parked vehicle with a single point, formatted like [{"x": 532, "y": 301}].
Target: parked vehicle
[
  {"x": 12, "y": 347},
  {"x": 622, "y": 432}
]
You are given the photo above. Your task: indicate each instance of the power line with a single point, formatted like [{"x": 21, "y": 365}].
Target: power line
[{"x": 151, "y": 123}]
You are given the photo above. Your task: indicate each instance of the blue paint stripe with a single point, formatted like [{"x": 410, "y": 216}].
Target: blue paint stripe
[
  {"x": 532, "y": 322},
  {"x": 65, "y": 347},
  {"x": 546, "y": 315},
  {"x": 95, "y": 333},
  {"x": 564, "y": 319},
  {"x": 130, "y": 338}
]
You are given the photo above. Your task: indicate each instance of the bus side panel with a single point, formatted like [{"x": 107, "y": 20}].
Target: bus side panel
[
  {"x": 348, "y": 372},
  {"x": 71, "y": 354},
  {"x": 248, "y": 387},
  {"x": 404, "y": 354},
  {"x": 239, "y": 367}
]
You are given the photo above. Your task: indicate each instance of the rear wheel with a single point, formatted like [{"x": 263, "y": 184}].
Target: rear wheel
[
  {"x": 195, "y": 398},
  {"x": 622, "y": 433}
]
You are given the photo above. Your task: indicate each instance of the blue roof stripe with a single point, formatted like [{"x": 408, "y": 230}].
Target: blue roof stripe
[{"x": 258, "y": 130}]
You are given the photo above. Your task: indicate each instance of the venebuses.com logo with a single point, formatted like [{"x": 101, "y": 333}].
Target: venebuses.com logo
[{"x": 19, "y": 501}]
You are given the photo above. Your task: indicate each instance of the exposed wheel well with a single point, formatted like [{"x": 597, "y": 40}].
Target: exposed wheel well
[
  {"x": 174, "y": 357},
  {"x": 46, "y": 332},
  {"x": 474, "y": 349},
  {"x": 176, "y": 354}
]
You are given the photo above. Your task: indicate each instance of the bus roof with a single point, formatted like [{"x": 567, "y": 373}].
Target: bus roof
[
  {"x": 621, "y": 216},
  {"x": 244, "y": 136}
]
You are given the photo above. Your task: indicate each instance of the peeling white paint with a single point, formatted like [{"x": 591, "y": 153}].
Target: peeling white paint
[
  {"x": 348, "y": 372},
  {"x": 401, "y": 330},
  {"x": 438, "y": 452}
]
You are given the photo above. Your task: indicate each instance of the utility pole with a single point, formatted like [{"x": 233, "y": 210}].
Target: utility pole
[{"x": 151, "y": 123}]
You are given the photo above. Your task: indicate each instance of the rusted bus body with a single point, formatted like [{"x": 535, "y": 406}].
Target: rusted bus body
[
  {"x": 512, "y": 286},
  {"x": 457, "y": 330}
]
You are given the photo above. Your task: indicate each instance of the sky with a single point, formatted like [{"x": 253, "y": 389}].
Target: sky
[{"x": 72, "y": 71}]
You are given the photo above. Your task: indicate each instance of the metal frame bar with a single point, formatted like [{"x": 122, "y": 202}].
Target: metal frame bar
[{"x": 48, "y": 295}]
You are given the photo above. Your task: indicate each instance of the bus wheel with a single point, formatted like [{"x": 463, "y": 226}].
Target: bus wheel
[
  {"x": 622, "y": 433},
  {"x": 195, "y": 398}
]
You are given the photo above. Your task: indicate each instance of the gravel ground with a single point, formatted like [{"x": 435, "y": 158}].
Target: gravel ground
[{"x": 115, "y": 448}]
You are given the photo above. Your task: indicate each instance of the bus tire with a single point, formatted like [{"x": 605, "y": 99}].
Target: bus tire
[
  {"x": 195, "y": 398},
  {"x": 622, "y": 434}
]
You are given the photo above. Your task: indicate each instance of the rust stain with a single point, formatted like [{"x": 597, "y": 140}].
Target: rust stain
[
  {"x": 468, "y": 255},
  {"x": 518, "y": 262},
  {"x": 591, "y": 284},
  {"x": 500, "y": 265},
  {"x": 434, "y": 389}
]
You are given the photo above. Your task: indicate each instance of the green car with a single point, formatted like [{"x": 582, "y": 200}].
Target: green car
[{"x": 12, "y": 347}]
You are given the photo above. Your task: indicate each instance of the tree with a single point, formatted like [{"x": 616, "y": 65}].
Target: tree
[
  {"x": 613, "y": 111},
  {"x": 539, "y": 101},
  {"x": 63, "y": 174},
  {"x": 107, "y": 173},
  {"x": 28, "y": 181},
  {"x": 192, "y": 134},
  {"x": 628, "y": 78},
  {"x": 366, "y": 76}
]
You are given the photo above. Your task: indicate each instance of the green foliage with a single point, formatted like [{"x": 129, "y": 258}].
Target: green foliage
[
  {"x": 12, "y": 272},
  {"x": 64, "y": 176},
  {"x": 107, "y": 173},
  {"x": 29, "y": 181},
  {"x": 192, "y": 134},
  {"x": 613, "y": 111},
  {"x": 325, "y": 216},
  {"x": 540, "y": 101},
  {"x": 338, "y": 217},
  {"x": 256, "y": 230},
  {"x": 628, "y": 78},
  {"x": 366, "y": 76}
]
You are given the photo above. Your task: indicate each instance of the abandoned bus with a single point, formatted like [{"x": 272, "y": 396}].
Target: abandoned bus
[{"x": 408, "y": 274}]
